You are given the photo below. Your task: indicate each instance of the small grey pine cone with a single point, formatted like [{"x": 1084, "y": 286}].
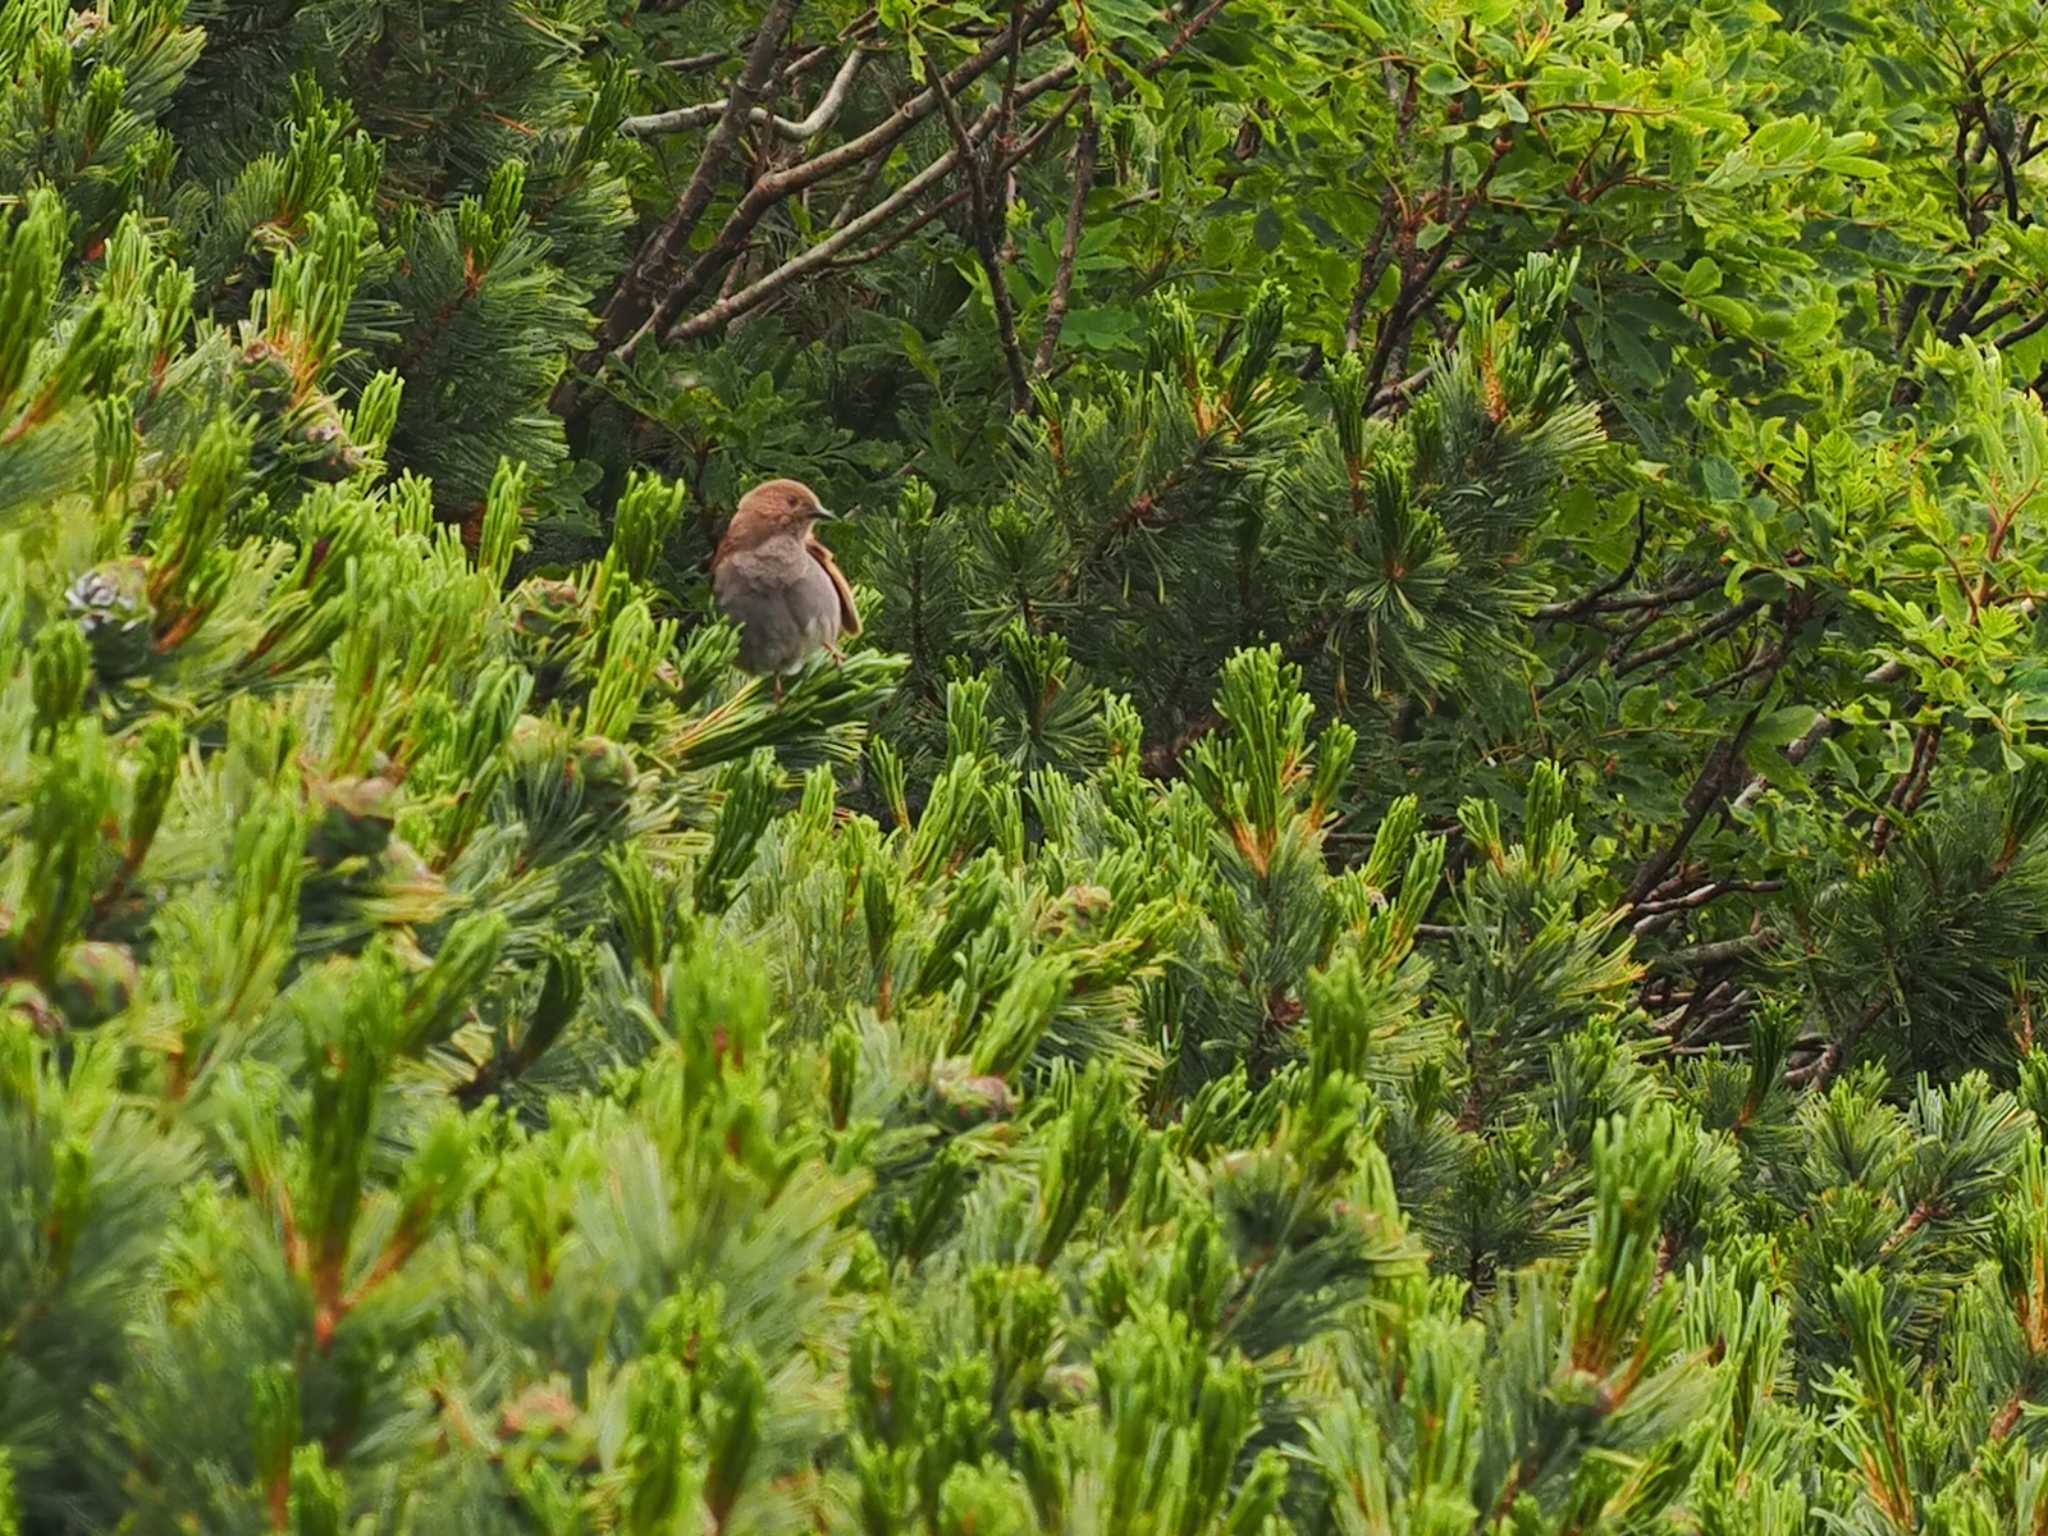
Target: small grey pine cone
[{"x": 110, "y": 604}]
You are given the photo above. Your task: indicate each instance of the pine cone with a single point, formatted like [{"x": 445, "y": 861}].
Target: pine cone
[
  {"x": 324, "y": 452},
  {"x": 961, "y": 1100},
  {"x": 23, "y": 1003},
  {"x": 94, "y": 982},
  {"x": 357, "y": 820},
  {"x": 547, "y": 617},
  {"x": 608, "y": 775},
  {"x": 111, "y": 606}
]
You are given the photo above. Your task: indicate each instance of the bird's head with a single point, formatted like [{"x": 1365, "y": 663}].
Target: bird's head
[{"x": 777, "y": 507}]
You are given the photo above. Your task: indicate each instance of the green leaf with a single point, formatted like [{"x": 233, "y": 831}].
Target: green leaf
[
  {"x": 1439, "y": 79},
  {"x": 1635, "y": 356},
  {"x": 1642, "y": 706},
  {"x": 1781, "y": 726}
]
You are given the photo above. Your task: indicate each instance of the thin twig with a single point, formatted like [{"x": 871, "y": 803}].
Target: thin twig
[
  {"x": 958, "y": 195},
  {"x": 819, "y": 119},
  {"x": 768, "y": 191},
  {"x": 1905, "y": 796},
  {"x": 1408, "y": 304},
  {"x": 1400, "y": 389},
  {"x": 1698, "y": 634},
  {"x": 710, "y": 319},
  {"x": 2020, "y": 332},
  {"x": 1070, "y": 247},
  {"x": 1187, "y": 34},
  {"x": 1604, "y": 598},
  {"x": 1700, "y": 956},
  {"x": 624, "y": 317},
  {"x": 1819, "y": 1072},
  {"x": 1371, "y": 267},
  {"x": 697, "y": 61},
  {"x": 1824, "y": 726},
  {"x": 1705, "y": 793},
  {"x": 980, "y": 197}
]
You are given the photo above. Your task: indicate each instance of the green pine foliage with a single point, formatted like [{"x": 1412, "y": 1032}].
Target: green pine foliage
[{"x": 1421, "y": 910}]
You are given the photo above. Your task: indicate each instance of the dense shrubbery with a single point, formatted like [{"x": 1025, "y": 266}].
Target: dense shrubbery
[{"x": 1421, "y": 911}]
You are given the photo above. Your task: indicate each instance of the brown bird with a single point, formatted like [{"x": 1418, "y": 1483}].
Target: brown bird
[{"x": 774, "y": 579}]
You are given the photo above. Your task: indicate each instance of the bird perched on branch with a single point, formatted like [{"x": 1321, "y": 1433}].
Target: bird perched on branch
[{"x": 774, "y": 579}]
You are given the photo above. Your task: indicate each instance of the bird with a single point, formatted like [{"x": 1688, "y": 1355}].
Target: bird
[{"x": 772, "y": 577}]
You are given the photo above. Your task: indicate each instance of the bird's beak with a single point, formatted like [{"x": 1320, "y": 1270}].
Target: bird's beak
[{"x": 826, "y": 514}]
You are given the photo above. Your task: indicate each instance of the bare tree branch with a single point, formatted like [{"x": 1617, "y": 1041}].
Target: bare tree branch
[
  {"x": 771, "y": 189},
  {"x": 1824, "y": 726},
  {"x": 1400, "y": 389},
  {"x": 1604, "y": 598},
  {"x": 821, "y": 255},
  {"x": 1698, "y": 634},
  {"x": 1700, "y": 956},
  {"x": 1819, "y": 1072},
  {"x": 1070, "y": 247},
  {"x": 1370, "y": 267},
  {"x": 816, "y": 122},
  {"x": 697, "y": 62},
  {"x": 1714, "y": 777},
  {"x": 1187, "y": 34},
  {"x": 958, "y": 196},
  {"x": 2020, "y": 332},
  {"x": 712, "y": 317},
  {"x": 985, "y": 237},
  {"x": 627, "y": 311},
  {"x": 870, "y": 150},
  {"x": 1409, "y": 303},
  {"x": 1906, "y": 794}
]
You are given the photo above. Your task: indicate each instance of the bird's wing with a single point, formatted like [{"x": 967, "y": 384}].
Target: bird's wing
[{"x": 849, "y": 616}]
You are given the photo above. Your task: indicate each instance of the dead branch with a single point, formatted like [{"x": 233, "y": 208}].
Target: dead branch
[{"x": 816, "y": 122}]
